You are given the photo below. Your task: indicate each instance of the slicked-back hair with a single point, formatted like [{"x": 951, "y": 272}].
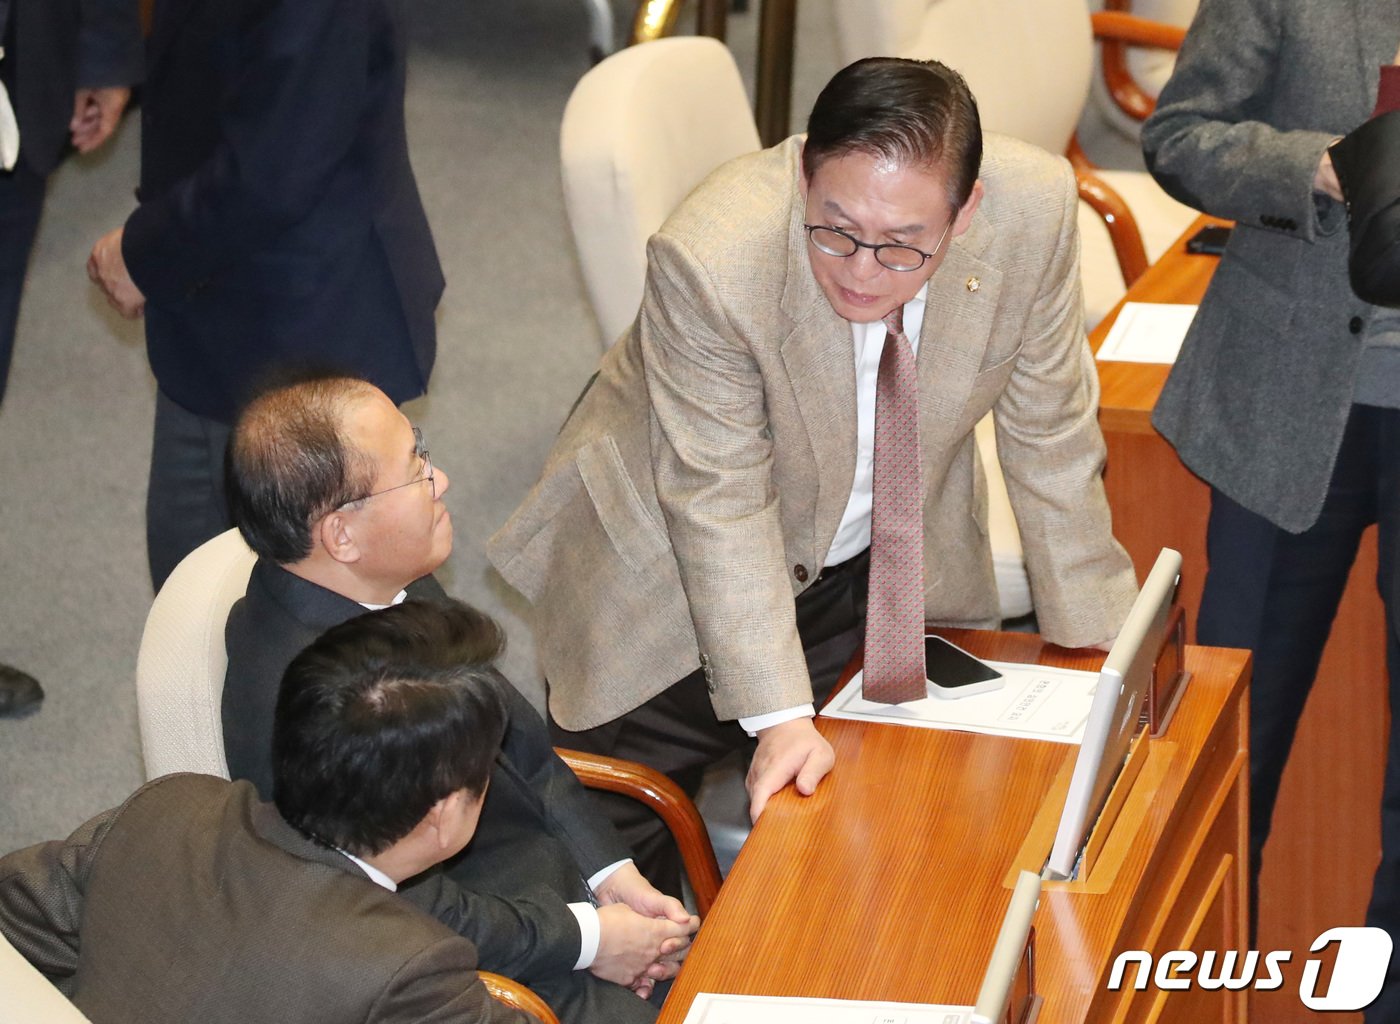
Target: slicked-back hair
[
  {"x": 383, "y": 716},
  {"x": 916, "y": 113},
  {"x": 289, "y": 463}
]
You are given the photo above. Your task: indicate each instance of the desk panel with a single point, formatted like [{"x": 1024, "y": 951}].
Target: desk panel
[{"x": 889, "y": 882}]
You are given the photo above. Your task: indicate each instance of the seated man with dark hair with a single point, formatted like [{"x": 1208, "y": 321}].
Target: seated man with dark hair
[
  {"x": 195, "y": 902},
  {"x": 334, "y": 489}
]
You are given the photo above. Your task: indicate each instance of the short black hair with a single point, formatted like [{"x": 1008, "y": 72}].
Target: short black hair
[
  {"x": 289, "y": 463},
  {"x": 383, "y": 716},
  {"x": 918, "y": 113}
]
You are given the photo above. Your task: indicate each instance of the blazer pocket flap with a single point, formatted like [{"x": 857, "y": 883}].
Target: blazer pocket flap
[{"x": 636, "y": 534}]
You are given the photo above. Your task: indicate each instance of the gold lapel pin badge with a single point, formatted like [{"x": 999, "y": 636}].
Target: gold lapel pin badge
[{"x": 973, "y": 284}]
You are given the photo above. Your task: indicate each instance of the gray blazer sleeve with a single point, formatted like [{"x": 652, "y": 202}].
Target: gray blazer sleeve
[
  {"x": 1215, "y": 141},
  {"x": 110, "y": 48}
]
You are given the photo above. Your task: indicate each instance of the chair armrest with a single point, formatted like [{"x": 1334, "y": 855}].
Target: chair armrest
[
  {"x": 665, "y": 798},
  {"x": 1122, "y": 227},
  {"x": 1117, "y": 30},
  {"x": 517, "y": 996}
]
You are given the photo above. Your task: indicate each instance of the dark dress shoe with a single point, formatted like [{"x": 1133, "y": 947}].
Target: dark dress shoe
[{"x": 18, "y": 690}]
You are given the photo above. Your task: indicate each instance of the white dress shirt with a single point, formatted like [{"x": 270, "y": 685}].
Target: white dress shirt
[{"x": 853, "y": 535}]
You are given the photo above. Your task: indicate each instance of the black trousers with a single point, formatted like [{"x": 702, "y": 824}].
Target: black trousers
[
  {"x": 1276, "y": 593},
  {"x": 21, "y": 202},
  {"x": 185, "y": 503},
  {"x": 677, "y": 733}
]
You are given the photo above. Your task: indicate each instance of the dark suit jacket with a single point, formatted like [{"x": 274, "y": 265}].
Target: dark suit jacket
[
  {"x": 279, "y": 219},
  {"x": 60, "y": 45},
  {"x": 195, "y": 902},
  {"x": 539, "y": 836},
  {"x": 1261, "y": 392}
]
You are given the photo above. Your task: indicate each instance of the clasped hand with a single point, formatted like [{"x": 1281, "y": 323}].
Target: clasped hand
[{"x": 645, "y": 934}]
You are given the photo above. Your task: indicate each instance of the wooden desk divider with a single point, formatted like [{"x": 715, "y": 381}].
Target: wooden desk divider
[
  {"x": 1168, "y": 683},
  {"x": 1169, "y": 676}
]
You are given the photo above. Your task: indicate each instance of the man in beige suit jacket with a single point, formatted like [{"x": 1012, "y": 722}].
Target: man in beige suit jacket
[
  {"x": 703, "y": 513},
  {"x": 195, "y": 902}
]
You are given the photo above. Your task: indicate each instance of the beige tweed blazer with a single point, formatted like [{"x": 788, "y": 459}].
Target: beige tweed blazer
[{"x": 697, "y": 486}]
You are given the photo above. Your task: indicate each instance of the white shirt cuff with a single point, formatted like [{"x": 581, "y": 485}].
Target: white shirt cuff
[
  {"x": 599, "y": 877},
  {"x": 753, "y": 725},
  {"x": 590, "y": 934}
]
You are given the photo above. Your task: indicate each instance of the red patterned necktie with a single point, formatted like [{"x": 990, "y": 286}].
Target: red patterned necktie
[{"x": 894, "y": 624}]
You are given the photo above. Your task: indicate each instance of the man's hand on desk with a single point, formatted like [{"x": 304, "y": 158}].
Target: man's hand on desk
[
  {"x": 638, "y": 951},
  {"x": 790, "y": 752}
]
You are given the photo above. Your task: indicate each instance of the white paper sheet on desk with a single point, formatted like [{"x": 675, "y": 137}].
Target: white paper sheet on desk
[
  {"x": 715, "y": 1008},
  {"x": 1147, "y": 332},
  {"x": 1037, "y": 702}
]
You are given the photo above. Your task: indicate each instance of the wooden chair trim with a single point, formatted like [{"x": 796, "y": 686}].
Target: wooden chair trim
[
  {"x": 1122, "y": 227},
  {"x": 1116, "y": 30},
  {"x": 665, "y": 798},
  {"x": 517, "y": 996}
]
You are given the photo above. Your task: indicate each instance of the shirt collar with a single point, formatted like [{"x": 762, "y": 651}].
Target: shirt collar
[{"x": 375, "y": 875}]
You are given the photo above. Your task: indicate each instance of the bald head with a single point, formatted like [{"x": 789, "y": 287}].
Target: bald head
[{"x": 291, "y": 460}]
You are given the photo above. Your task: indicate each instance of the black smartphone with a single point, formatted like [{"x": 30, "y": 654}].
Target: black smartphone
[
  {"x": 952, "y": 672},
  {"x": 1209, "y": 241}
]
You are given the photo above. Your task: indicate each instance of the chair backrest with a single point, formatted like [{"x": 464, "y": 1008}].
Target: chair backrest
[
  {"x": 180, "y": 669},
  {"x": 27, "y": 997},
  {"x": 640, "y": 131},
  {"x": 1028, "y": 62}
]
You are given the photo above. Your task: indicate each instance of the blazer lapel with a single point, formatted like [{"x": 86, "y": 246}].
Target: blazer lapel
[
  {"x": 962, "y": 302},
  {"x": 819, "y": 358}
]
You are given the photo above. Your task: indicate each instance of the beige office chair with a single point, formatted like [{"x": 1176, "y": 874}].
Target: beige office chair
[
  {"x": 180, "y": 682},
  {"x": 639, "y": 132},
  {"x": 1029, "y": 64},
  {"x": 27, "y": 997},
  {"x": 181, "y": 665}
]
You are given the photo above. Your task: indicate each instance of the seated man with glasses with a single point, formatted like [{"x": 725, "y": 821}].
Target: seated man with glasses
[
  {"x": 698, "y": 547},
  {"x": 335, "y": 491}
]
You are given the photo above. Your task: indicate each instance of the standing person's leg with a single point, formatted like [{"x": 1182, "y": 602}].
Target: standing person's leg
[
  {"x": 677, "y": 733},
  {"x": 1276, "y": 593},
  {"x": 185, "y": 504},
  {"x": 1384, "y": 909},
  {"x": 21, "y": 202}
]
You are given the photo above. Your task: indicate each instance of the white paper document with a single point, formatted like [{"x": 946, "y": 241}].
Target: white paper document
[
  {"x": 1038, "y": 702},
  {"x": 1147, "y": 332},
  {"x": 716, "y": 1008}
]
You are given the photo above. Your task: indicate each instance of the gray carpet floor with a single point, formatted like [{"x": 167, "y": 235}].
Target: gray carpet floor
[{"x": 488, "y": 82}]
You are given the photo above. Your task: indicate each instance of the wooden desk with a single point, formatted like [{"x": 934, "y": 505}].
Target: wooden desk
[
  {"x": 881, "y": 889},
  {"x": 1331, "y": 788}
]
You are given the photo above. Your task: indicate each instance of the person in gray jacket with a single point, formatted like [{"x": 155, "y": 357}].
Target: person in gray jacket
[{"x": 1286, "y": 396}]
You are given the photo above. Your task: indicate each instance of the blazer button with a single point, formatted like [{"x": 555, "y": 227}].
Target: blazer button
[
  {"x": 1356, "y": 324},
  {"x": 800, "y": 571}
]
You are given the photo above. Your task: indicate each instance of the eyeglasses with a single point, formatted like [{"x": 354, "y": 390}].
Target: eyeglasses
[
  {"x": 903, "y": 258},
  {"x": 421, "y": 451}
]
